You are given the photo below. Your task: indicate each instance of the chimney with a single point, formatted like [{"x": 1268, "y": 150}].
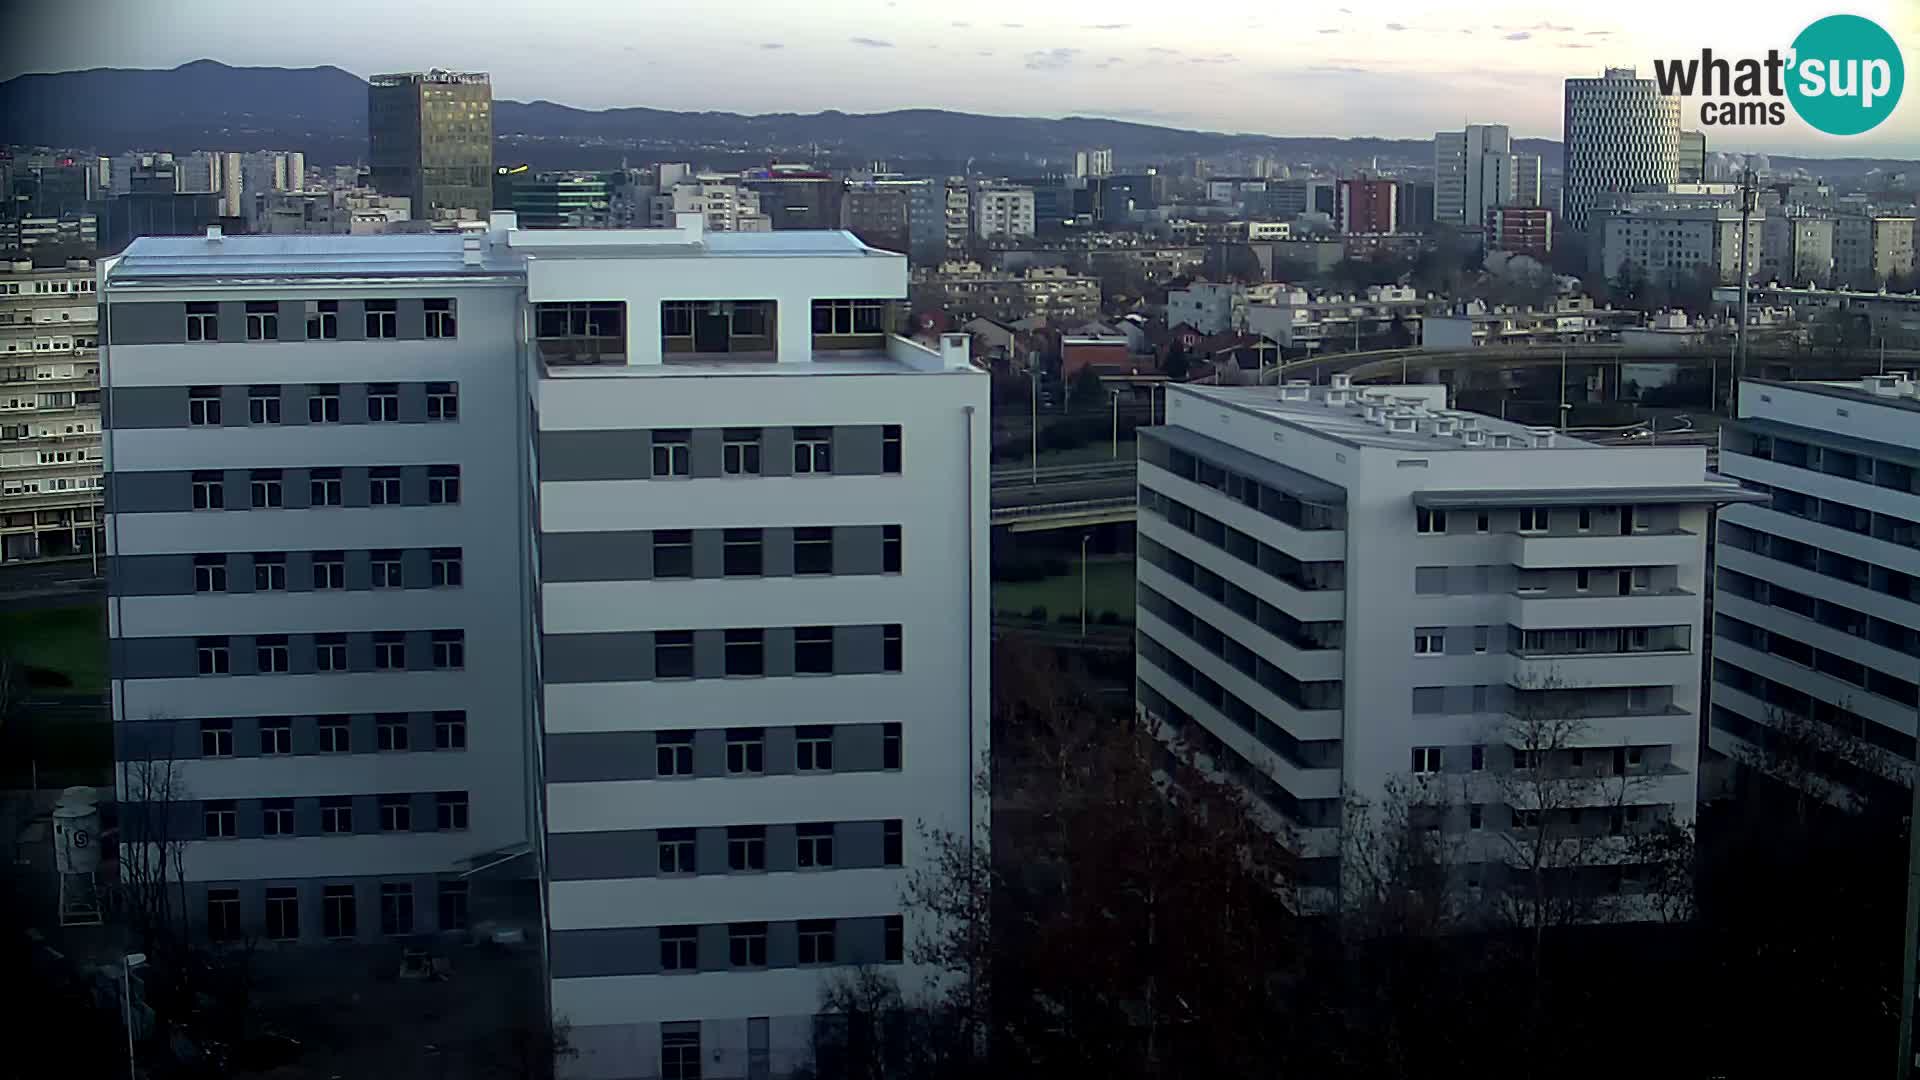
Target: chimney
[
  {"x": 213, "y": 234},
  {"x": 1341, "y": 380},
  {"x": 955, "y": 349},
  {"x": 470, "y": 250},
  {"x": 1295, "y": 390},
  {"x": 1542, "y": 436}
]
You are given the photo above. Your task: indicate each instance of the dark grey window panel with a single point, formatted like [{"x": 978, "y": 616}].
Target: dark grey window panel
[
  {"x": 782, "y": 856},
  {"x": 857, "y": 450},
  {"x": 246, "y": 736},
  {"x": 860, "y": 941},
  {"x": 240, "y": 572},
  {"x": 247, "y": 818},
  {"x": 150, "y": 575},
  {"x": 146, "y": 324},
  {"x": 131, "y": 407},
  {"x": 416, "y": 570},
  {"x": 233, "y": 322},
  {"x": 779, "y": 755},
  {"x": 597, "y": 556},
  {"x": 783, "y": 945},
  {"x": 152, "y": 740},
  {"x": 163, "y": 492},
  {"x": 596, "y": 455},
  {"x": 366, "y": 813},
  {"x": 709, "y": 654},
  {"x": 713, "y": 947},
  {"x": 705, "y": 453},
  {"x": 163, "y": 658},
  {"x": 413, "y": 485},
  {"x": 605, "y": 856},
  {"x": 709, "y": 553},
  {"x": 776, "y": 552},
  {"x": 293, "y": 324},
  {"x": 858, "y": 650},
  {"x": 233, "y": 399},
  {"x": 857, "y": 549},
  {"x": 710, "y": 848},
  {"x": 776, "y": 451},
  {"x": 179, "y": 819},
  {"x": 588, "y": 756},
  {"x": 587, "y": 658},
  {"x": 353, "y": 396},
  {"x": 582, "y": 954},
  {"x": 779, "y": 650},
  {"x": 856, "y": 747},
  {"x": 424, "y": 806},
  {"x": 306, "y": 816},
  {"x": 410, "y": 322},
  {"x": 353, "y": 323},
  {"x": 293, "y": 397},
  {"x": 710, "y": 752},
  {"x": 859, "y": 845},
  {"x": 413, "y": 399}
]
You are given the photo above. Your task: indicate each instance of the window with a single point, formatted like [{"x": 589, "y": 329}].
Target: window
[
  {"x": 890, "y": 549},
  {"x": 1429, "y": 641},
  {"x": 276, "y": 735},
  {"x": 672, "y": 553},
  {"x": 396, "y": 813},
  {"x": 742, "y": 555},
  {"x": 337, "y": 911},
  {"x": 324, "y": 487},
  {"x": 1582, "y": 579},
  {"x": 812, "y": 450},
  {"x": 679, "y": 948},
  {"x": 450, "y": 811},
  {"x": 1426, "y": 760},
  {"x": 323, "y": 320},
  {"x": 892, "y": 843},
  {"x": 283, "y": 914},
  {"x": 890, "y": 448},
  {"x": 216, "y": 738},
  {"x": 383, "y": 319},
  {"x": 673, "y": 654},
  {"x": 389, "y": 651},
  {"x": 383, "y": 403},
  {"x": 335, "y": 736},
  {"x": 440, "y": 322},
  {"x": 1480, "y": 522},
  {"x": 263, "y": 321},
  {"x": 813, "y": 550},
  {"x": 383, "y": 486},
  {"x": 223, "y": 914},
  {"x": 329, "y": 570},
  {"x": 453, "y": 905},
  {"x": 816, "y": 941},
  {"x": 813, "y": 650},
  {"x": 450, "y": 730},
  {"x": 1635, "y": 756},
  {"x": 1534, "y": 519},
  {"x": 677, "y": 851},
  {"x": 1532, "y": 581},
  {"x": 203, "y": 322},
  {"x": 263, "y": 405},
  {"x": 816, "y": 846},
  {"x": 212, "y": 654},
  {"x": 1639, "y": 698},
  {"x": 264, "y": 487},
  {"x": 449, "y": 650},
  {"x": 1480, "y": 635},
  {"x": 1524, "y": 760},
  {"x": 222, "y": 820},
  {"x": 390, "y": 731},
  {"x": 1430, "y": 521},
  {"x": 740, "y": 452},
  {"x": 203, "y": 406},
  {"x": 445, "y": 567},
  {"x": 893, "y": 933},
  {"x": 680, "y": 1051},
  {"x": 889, "y": 746},
  {"x": 813, "y": 749},
  {"x": 443, "y": 401},
  {"x": 746, "y": 848},
  {"x": 270, "y": 571},
  {"x": 747, "y": 945},
  {"x": 208, "y": 491},
  {"x": 1475, "y": 817},
  {"x": 385, "y": 566},
  {"x": 336, "y": 815},
  {"x": 746, "y": 751},
  {"x": 443, "y": 484},
  {"x": 323, "y": 404},
  {"x": 890, "y": 647},
  {"x": 396, "y": 907},
  {"x": 672, "y": 453},
  {"x": 1479, "y": 758},
  {"x": 1586, "y": 518},
  {"x": 209, "y": 573},
  {"x": 1526, "y": 819},
  {"x": 843, "y": 317},
  {"x": 673, "y": 753}
]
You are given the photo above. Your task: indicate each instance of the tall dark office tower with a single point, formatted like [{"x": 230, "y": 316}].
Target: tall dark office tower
[{"x": 430, "y": 137}]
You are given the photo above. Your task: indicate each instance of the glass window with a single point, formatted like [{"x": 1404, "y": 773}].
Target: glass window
[
  {"x": 816, "y": 941},
  {"x": 740, "y": 452},
  {"x": 812, "y": 450},
  {"x": 813, "y": 550},
  {"x": 390, "y": 731},
  {"x": 890, "y": 448},
  {"x": 672, "y": 553},
  {"x": 742, "y": 554},
  {"x": 746, "y": 652},
  {"x": 890, "y": 549},
  {"x": 329, "y": 569},
  {"x": 216, "y": 738},
  {"x": 450, "y": 730},
  {"x": 746, "y": 751},
  {"x": 747, "y": 945},
  {"x": 383, "y": 319},
  {"x": 746, "y": 848},
  {"x": 335, "y": 735},
  {"x": 396, "y": 907},
  {"x": 815, "y": 840},
  {"x": 677, "y": 852},
  {"x": 813, "y": 650},
  {"x": 450, "y": 811},
  {"x": 443, "y": 400},
  {"x": 440, "y": 323},
  {"x": 263, "y": 320},
  {"x": 323, "y": 320},
  {"x": 276, "y": 735},
  {"x": 203, "y": 406},
  {"x": 223, "y": 914},
  {"x": 673, "y": 654},
  {"x": 672, "y": 453},
  {"x": 673, "y": 753},
  {"x": 813, "y": 749},
  {"x": 446, "y": 568},
  {"x": 323, "y": 404},
  {"x": 338, "y": 911}
]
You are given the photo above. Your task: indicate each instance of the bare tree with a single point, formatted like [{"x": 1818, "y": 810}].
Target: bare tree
[{"x": 153, "y": 805}]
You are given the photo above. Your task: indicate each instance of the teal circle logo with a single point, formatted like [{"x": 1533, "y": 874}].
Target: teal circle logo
[{"x": 1846, "y": 76}]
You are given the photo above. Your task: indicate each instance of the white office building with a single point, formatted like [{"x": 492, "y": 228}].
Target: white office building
[
  {"x": 683, "y": 698},
  {"x": 1344, "y": 589},
  {"x": 1817, "y": 600},
  {"x": 1621, "y": 133},
  {"x": 1003, "y": 211},
  {"x": 1672, "y": 243},
  {"x": 1476, "y": 170},
  {"x": 49, "y": 411}
]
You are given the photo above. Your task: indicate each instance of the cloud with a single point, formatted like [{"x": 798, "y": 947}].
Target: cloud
[
  {"x": 1338, "y": 69},
  {"x": 1466, "y": 31},
  {"x": 1396, "y": 26},
  {"x": 1552, "y": 28},
  {"x": 1331, "y": 30},
  {"x": 871, "y": 43},
  {"x": 1051, "y": 59},
  {"x": 1599, "y": 33},
  {"x": 1346, "y": 11},
  {"x": 1108, "y": 26},
  {"x": 961, "y": 25},
  {"x": 772, "y": 45},
  {"x": 984, "y": 52},
  {"x": 1575, "y": 45},
  {"x": 1520, "y": 35},
  {"x": 1014, "y": 25}
]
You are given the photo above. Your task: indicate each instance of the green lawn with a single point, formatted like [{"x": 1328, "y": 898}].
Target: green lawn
[
  {"x": 1109, "y": 588},
  {"x": 69, "y": 640}
]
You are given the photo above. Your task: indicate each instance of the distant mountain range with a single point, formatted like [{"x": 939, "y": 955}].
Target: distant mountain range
[{"x": 323, "y": 112}]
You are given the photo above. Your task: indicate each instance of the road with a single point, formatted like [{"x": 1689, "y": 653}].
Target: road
[{"x": 28, "y": 585}]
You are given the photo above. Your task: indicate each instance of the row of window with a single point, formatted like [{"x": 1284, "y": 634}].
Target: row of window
[
  {"x": 743, "y": 551},
  {"x": 1610, "y": 761},
  {"x": 1326, "y": 634},
  {"x": 266, "y": 488},
  {"x": 745, "y": 651},
  {"x": 740, "y": 451},
  {"x": 1842, "y": 515},
  {"x": 386, "y": 568},
  {"x": 1823, "y": 561},
  {"x": 334, "y": 734},
  {"x": 746, "y": 749},
  {"x": 1535, "y": 520},
  {"x": 817, "y": 941},
  {"x": 678, "y": 853},
  {"x": 204, "y": 407},
  {"x": 1790, "y": 648},
  {"x": 381, "y": 320},
  {"x": 1301, "y": 694},
  {"x": 1271, "y": 560},
  {"x": 1832, "y": 615},
  {"x": 1243, "y": 489},
  {"x": 339, "y": 911},
  {"x": 272, "y": 656},
  {"x": 221, "y": 817},
  {"x": 1828, "y": 460},
  {"x": 1315, "y": 754}
]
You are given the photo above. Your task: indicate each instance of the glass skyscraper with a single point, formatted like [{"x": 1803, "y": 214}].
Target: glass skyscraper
[{"x": 430, "y": 138}]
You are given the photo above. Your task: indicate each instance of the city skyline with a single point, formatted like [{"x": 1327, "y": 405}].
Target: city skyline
[{"x": 1386, "y": 68}]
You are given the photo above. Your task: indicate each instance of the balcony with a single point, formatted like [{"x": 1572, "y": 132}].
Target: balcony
[
  {"x": 1543, "y": 611},
  {"x": 1676, "y": 547},
  {"x": 1664, "y": 667},
  {"x": 737, "y": 330}
]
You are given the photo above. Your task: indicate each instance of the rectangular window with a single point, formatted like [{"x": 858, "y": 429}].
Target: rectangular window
[
  {"x": 746, "y": 751},
  {"x": 453, "y": 905},
  {"x": 324, "y": 487},
  {"x": 812, "y": 450},
  {"x": 449, "y": 730},
  {"x": 672, "y": 553},
  {"x": 1429, "y": 521},
  {"x": 679, "y": 948},
  {"x": 270, "y": 571},
  {"x": 1532, "y": 582},
  {"x": 1480, "y": 634},
  {"x": 449, "y": 650},
  {"x": 746, "y": 848},
  {"x": 440, "y": 322},
  {"x": 338, "y": 911},
  {"x": 203, "y": 322},
  {"x": 223, "y": 914},
  {"x": 813, "y": 650},
  {"x": 209, "y": 492},
  {"x": 840, "y": 318},
  {"x": 216, "y": 738},
  {"x": 443, "y": 401},
  {"x": 1426, "y": 760},
  {"x": 336, "y": 815},
  {"x": 396, "y": 813},
  {"x": 816, "y": 941},
  {"x": 1581, "y": 580},
  {"x": 203, "y": 406},
  {"x": 890, "y": 549},
  {"x": 383, "y": 403},
  {"x": 1476, "y": 817},
  {"x": 323, "y": 403},
  {"x": 389, "y": 651},
  {"x": 742, "y": 554},
  {"x": 890, "y": 448},
  {"x": 893, "y": 843},
  {"x": 383, "y": 319},
  {"x": 747, "y": 945},
  {"x": 385, "y": 565},
  {"x": 672, "y": 453},
  {"x": 283, "y": 914},
  {"x": 673, "y": 753},
  {"x": 677, "y": 851},
  {"x": 323, "y": 320},
  {"x": 263, "y": 320},
  {"x": 209, "y": 573},
  {"x": 1480, "y": 522},
  {"x": 443, "y": 485},
  {"x": 1534, "y": 519},
  {"x": 336, "y": 737},
  {"x": 222, "y": 820},
  {"x": 329, "y": 570},
  {"x": 450, "y": 811},
  {"x": 891, "y": 647},
  {"x": 813, "y": 749},
  {"x": 390, "y": 731},
  {"x": 276, "y": 735},
  {"x": 1429, "y": 641},
  {"x": 815, "y": 845},
  {"x": 893, "y": 934},
  {"x": 680, "y": 1051},
  {"x": 673, "y": 654},
  {"x": 1586, "y": 518},
  {"x": 263, "y": 405},
  {"x": 396, "y": 907},
  {"x": 740, "y": 452},
  {"x": 212, "y": 654},
  {"x": 445, "y": 568},
  {"x": 890, "y": 746},
  {"x": 745, "y": 652},
  {"x": 264, "y": 487},
  {"x": 813, "y": 550}
]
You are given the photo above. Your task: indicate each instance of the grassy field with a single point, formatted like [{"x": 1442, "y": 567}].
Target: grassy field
[
  {"x": 1109, "y": 588},
  {"x": 68, "y": 640}
]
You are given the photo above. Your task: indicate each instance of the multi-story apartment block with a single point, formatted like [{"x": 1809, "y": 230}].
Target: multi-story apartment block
[
  {"x": 1003, "y": 211},
  {"x": 1621, "y": 133},
  {"x": 727, "y": 205},
  {"x": 642, "y": 562},
  {"x": 49, "y": 412},
  {"x": 1671, "y": 243},
  {"x": 968, "y": 289},
  {"x": 958, "y": 217},
  {"x": 1891, "y": 317},
  {"x": 1347, "y": 590},
  {"x": 1523, "y": 230},
  {"x": 1795, "y": 249},
  {"x": 1367, "y": 205},
  {"x": 1869, "y": 249},
  {"x": 1693, "y": 157},
  {"x": 1817, "y": 600},
  {"x": 1474, "y": 171}
]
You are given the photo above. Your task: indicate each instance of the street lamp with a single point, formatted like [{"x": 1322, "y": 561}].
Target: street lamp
[
  {"x": 1033, "y": 430},
  {"x": 1084, "y": 537},
  {"x": 1116, "y": 425},
  {"x": 127, "y": 964}
]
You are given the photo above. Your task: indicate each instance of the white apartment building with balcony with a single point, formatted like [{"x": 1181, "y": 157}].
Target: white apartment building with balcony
[
  {"x": 49, "y": 412},
  {"x": 1345, "y": 589},
  {"x": 1003, "y": 211},
  {"x": 1817, "y": 599}
]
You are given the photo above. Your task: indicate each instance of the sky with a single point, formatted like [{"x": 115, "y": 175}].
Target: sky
[{"x": 1396, "y": 68}]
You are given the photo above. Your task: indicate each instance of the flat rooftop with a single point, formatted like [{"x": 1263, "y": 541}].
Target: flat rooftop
[
  {"x": 1348, "y": 423},
  {"x": 1852, "y": 390}
]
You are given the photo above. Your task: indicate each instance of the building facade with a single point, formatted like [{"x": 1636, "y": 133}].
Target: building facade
[
  {"x": 1368, "y": 206},
  {"x": 1620, "y": 133},
  {"x": 1672, "y": 243},
  {"x": 1870, "y": 248},
  {"x": 49, "y": 412},
  {"x": 430, "y": 138},
  {"x": 562, "y": 202},
  {"x": 1693, "y": 157},
  {"x": 1522, "y": 230},
  {"x": 1003, "y": 211}
]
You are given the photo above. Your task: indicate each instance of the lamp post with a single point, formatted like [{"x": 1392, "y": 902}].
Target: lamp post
[
  {"x": 127, "y": 964},
  {"x": 1033, "y": 430},
  {"x": 1116, "y": 425},
  {"x": 1084, "y": 537}
]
